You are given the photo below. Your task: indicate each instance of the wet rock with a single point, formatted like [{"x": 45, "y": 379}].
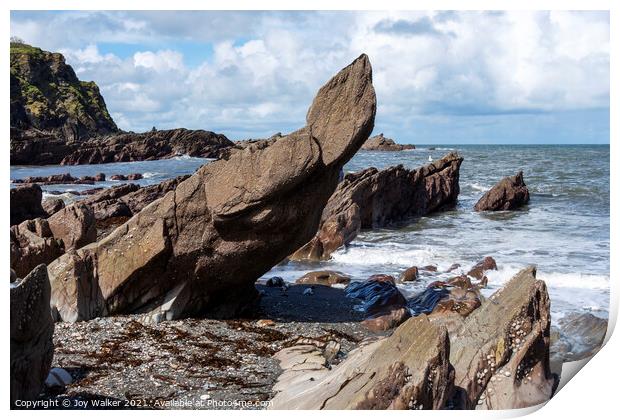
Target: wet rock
[
  {"x": 31, "y": 244},
  {"x": 387, "y": 319},
  {"x": 426, "y": 301},
  {"x": 384, "y": 144},
  {"x": 430, "y": 268},
  {"x": 26, "y": 203},
  {"x": 502, "y": 349},
  {"x": 372, "y": 198},
  {"x": 326, "y": 278},
  {"x": 32, "y": 329},
  {"x": 580, "y": 335},
  {"x": 453, "y": 267},
  {"x": 75, "y": 225},
  {"x": 179, "y": 256},
  {"x": 508, "y": 194},
  {"x": 477, "y": 271},
  {"x": 408, "y": 370},
  {"x": 382, "y": 278},
  {"x": 410, "y": 274},
  {"x": 52, "y": 205}
]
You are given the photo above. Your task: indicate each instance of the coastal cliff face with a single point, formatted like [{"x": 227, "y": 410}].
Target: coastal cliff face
[
  {"x": 47, "y": 96},
  {"x": 58, "y": 119}
]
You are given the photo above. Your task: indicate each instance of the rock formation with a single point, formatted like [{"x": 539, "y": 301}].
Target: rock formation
[
  {"x": 580, "y": 335},
  {"x": 32, "y": 329},
  {"x": 384, "y": 144},
  {"x": 200, "y": 248},
  {"x": 25, "y": 203},
  {"x": 372, "y": 198},
  {"x": 52, "y": 205},
  {"x": 75, "y": 225},
  {"x": 58, "y": 119},
  {"x": 325, "y": 278},
  {"x": 408, "y": 370},
  {"x": 508, "y": 194},
  {"x": 32, "y": 243},
  {"x": 497, "y": 357}
]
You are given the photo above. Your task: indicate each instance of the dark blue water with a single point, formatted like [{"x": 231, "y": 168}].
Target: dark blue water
[{"x": 564, "y": 230}]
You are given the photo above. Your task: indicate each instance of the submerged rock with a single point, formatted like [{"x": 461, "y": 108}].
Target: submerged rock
[
  {"x": 410, "y": 274},
  {"x": 408, "y": 370},
  {"x": 384, "y": 144},
  {"x": 508, "y": 194},
  {"x": 32, "y": 328},
  {"x": 25, "y": 203},
  {"x": 180, "y": 255},
  {"x": 372, "y": 198}
]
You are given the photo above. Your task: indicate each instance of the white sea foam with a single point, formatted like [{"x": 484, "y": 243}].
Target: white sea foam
[
  {"x": 151, "y": 174},
  {"x": 387, "y": 253},
  {"x": 479, "y": 187}
]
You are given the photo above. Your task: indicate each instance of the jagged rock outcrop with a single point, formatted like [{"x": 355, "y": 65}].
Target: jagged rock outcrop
[
  {"x": 372, "y": 198},
  {"x": 121, "y": 147},
  {"x": 508, "y": 194},
  {"x": 32, "y": 243},
  {"x": 32, "y": 329},
  {"x": 180, "y": 255},
  {"x": 25, "y": 203},
  {"x": 47, "y": 97},
  {"x": 74, "y": 225},
  {"x": 408, "y": 370},
  {"x": 384, "y": 144},
  {"x": 500, "y": 353}
]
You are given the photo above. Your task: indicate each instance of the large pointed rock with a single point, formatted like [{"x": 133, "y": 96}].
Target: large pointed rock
[
  {"x": 408, "y": 370},
  {"x": 501, "y": 352},
  {"x": 32, "y": 329},
  {"x": 372, "y": 198},
  {"x": 200, "y": 248},
  {"x": 508, "y": 194}
]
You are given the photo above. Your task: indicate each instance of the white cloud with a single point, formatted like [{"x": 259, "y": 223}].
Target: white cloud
[{"x": 260, "y": 71}]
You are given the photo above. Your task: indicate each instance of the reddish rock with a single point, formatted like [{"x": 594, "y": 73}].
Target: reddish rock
[
  {"x": 510, "y": 193},
  {"x": 382, "y": 278},
  {"x": 431, "y": 268},
  {"x": 75, "y": 225},
  {"x": 387, "y": 319},
  {"x": 134, "y": 177},
  {"x": 31, "y": 244},
  {"x": 410, "y": 274},
  {"x": 477, "y": 271},
  {"x": 384, "y": 144},
  {"x": 371, "y": 198},
  {"x": 326, "y": 278},
  {"x": 52, "y": 205},
  {"x": 453, "y": 267}
]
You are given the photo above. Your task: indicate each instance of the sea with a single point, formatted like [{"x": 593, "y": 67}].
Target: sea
[{"x": 564, "y": 230}]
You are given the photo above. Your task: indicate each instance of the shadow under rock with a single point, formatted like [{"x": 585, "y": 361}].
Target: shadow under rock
[{"x": 325, "y": 304}]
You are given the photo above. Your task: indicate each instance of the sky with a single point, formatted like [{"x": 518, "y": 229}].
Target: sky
[{"x": 441, "y": 77}]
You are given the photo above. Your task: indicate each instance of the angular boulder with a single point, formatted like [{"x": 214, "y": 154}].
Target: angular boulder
[
  {"x": 372, "y": 198},
  {"x": 325, "y": 278},
  {"x": 181, "y": 254},
  {"x": 26, "y": 203},
  {"x": 75, "y": 225},
  {"x": 477, "y": 271},
  {"x": 32, "y": 328},
  {"x": 408, "y": 370},
  {"x": 508, "y": 194},
  {"x": 500, "y": 353},
  {"x": 32, "y": 243},
  {"x": 52, "y": 205}
]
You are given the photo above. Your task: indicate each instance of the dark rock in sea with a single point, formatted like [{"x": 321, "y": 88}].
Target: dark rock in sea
[
  {"x": 429, "y": 268},
  {"x": 373, "y": 198},
  {"x": 508, "y": 194},
  {"x": 52, "y": 205},
  {"x": 580, "y": 335},
  {"x": 384, "y": 144},
  {"x": 74, "y": 225},
  {"x": 25, "y": 203},
  {"x": 180, "y": 255},
  {"x": 32, "y": 243},
  {"x": 477, "y": 271},
  {"x": 325, "y": 277},
  {"x": 408, "y": 370},
  {"x": 410, "y": 274},
  {"x": 381, "y": 301},
  {"x": 32, "y": 329}
]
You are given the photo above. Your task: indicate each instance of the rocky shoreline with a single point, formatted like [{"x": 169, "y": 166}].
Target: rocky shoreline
[{"x": 147, "y": 296}]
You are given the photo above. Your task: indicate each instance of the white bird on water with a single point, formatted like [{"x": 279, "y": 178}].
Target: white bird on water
[{"x": 430, "y": 159}]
